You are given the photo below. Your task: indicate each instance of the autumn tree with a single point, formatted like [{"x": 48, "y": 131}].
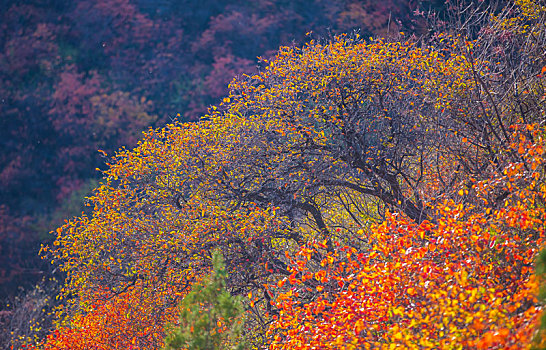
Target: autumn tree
[
  {"x": 384, "y": 183},
  {"x": 82, "y": 76}
]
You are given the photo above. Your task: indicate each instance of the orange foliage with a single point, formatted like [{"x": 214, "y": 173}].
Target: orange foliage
[
  {"x": 106, "y": 325},
  {"x": 464, "y": 281}
]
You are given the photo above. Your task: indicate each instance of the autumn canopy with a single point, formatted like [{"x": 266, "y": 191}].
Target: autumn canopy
[{"x": 363, "y": 193}]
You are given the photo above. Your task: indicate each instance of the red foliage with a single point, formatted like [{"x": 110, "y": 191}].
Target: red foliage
[{"x": 466, "y": 280}]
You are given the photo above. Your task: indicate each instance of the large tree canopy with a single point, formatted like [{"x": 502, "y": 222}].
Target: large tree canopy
[
  {"x": 363, "y": 194},
  {"x": 83, "y": 75}
]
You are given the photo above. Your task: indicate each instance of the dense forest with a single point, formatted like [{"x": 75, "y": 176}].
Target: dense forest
[{"x": 372, "y": 177}]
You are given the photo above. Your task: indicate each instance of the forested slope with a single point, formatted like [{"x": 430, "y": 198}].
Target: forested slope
[{"x": 363, "y": 193}]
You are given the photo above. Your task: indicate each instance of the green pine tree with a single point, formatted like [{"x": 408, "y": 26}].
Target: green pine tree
[{"x": 211, "y": 318}]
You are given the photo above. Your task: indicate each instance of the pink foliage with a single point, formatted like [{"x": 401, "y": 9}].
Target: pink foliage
[
  {"x": 224, "y": 69},
  {"x": 71, "y": 108}
]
